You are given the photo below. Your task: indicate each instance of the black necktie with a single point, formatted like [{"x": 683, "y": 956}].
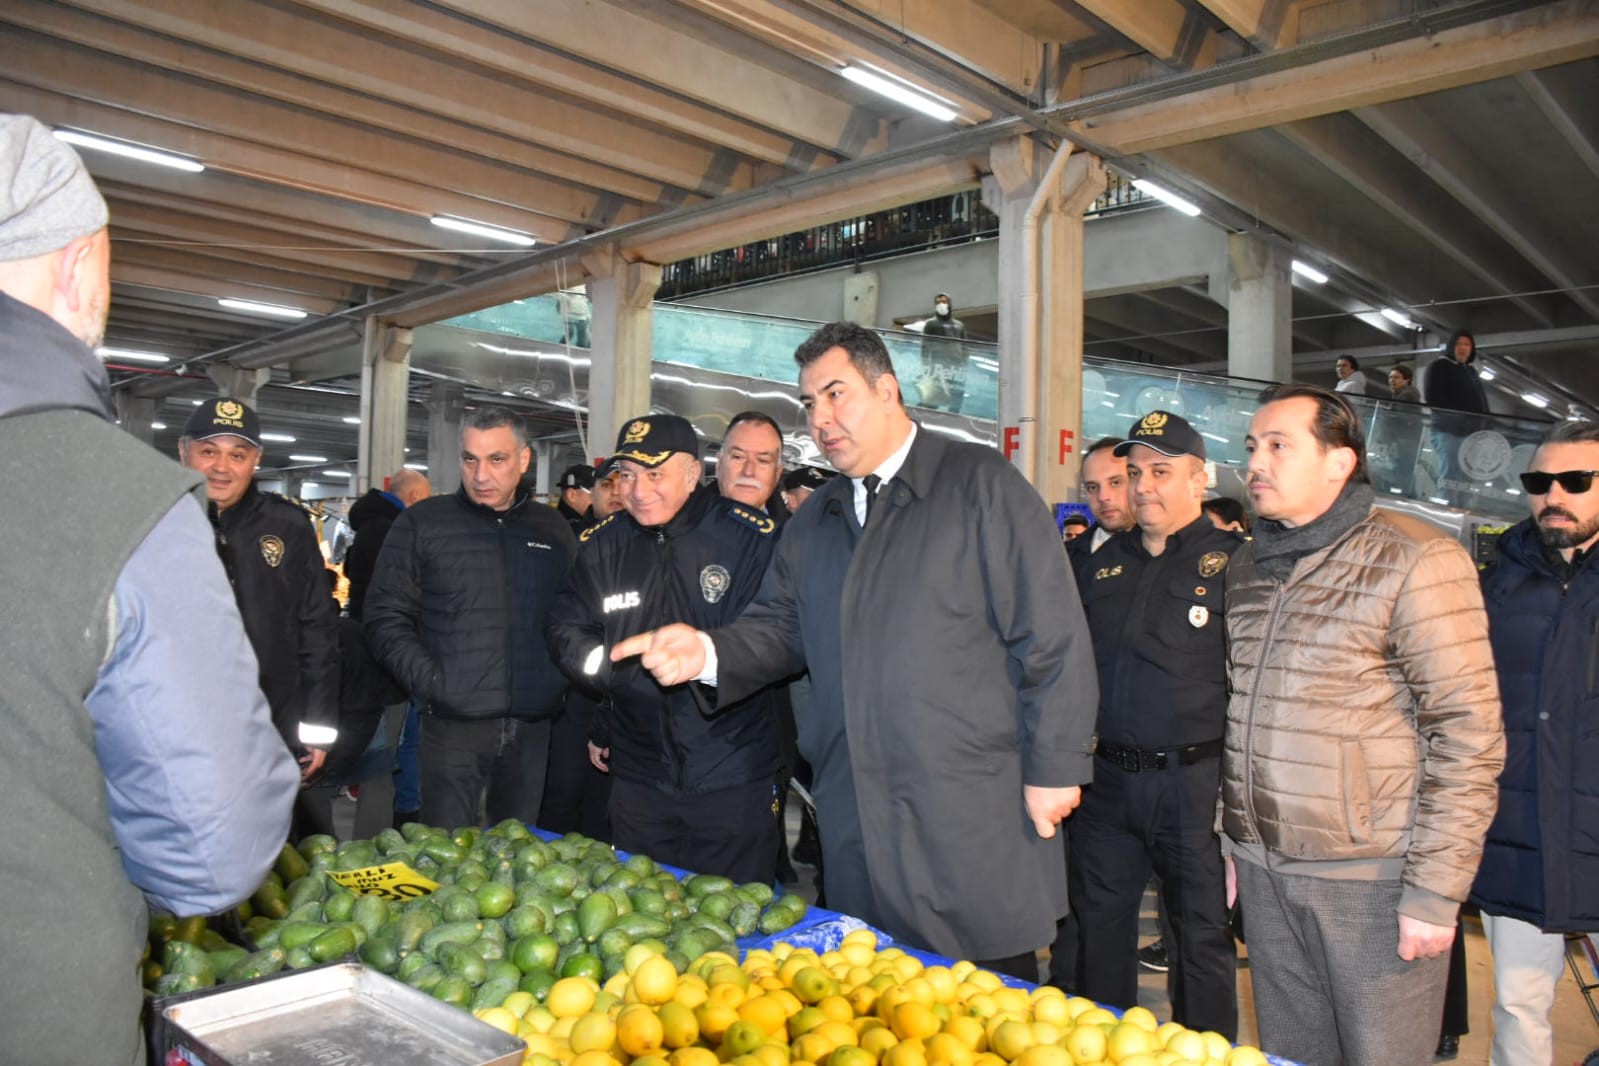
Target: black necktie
[{"x": 871, "y": 481}]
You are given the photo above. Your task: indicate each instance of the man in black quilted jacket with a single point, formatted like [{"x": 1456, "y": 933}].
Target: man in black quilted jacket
[{"x": 456, "y": 613}]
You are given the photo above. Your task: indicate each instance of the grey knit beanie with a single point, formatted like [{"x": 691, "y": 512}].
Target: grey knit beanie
[{"x": 47, "y": 198}]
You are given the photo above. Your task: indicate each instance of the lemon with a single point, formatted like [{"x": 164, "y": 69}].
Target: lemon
[
  {"x": 741, "y": 1038},
  {"x": 639, "y": 1031},
  {"x": 1243, "y": 1056},
  {"x": 1010, "y": 1038},
  {"x": 594, "y": 1058},
  {"x": 694, "y": 1056},
  {"x": 654, "y": 980},
  {"x": 500, "y": 1018},
  {"x": 592, "y": 1032},
  {"x": 1086, "y": 1044},
  {"x": 572, "y": 996},
  {"x": 1044, "y": 1055},
  {"x": 914, "y": 1020},
  {"x": 1142, "y": 1017},
  {"x": 679, "y": 1027}
]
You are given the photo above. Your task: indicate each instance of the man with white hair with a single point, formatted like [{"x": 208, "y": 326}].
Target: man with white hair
[{"x": 137, "y": 755}]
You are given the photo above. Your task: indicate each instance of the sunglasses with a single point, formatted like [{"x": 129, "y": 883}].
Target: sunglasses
[{"x": 1538, "y": 482}]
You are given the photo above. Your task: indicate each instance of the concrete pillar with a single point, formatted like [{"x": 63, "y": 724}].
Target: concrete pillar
[
  {"x": 445, "y": 402},
  {"x": 860, "y": 298},
  {"x": 385, "y": 387},
  {"x": 1041, "y": 308},
  {"x": 238, "y": 382},
  {"x": 1260, "y": 309},
  {"x": 542, "y": 478},
  {"x": 619, "y": 379},
  {"x": 136, "y": 413}
]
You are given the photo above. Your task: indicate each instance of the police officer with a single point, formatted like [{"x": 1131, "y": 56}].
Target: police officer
[
  {"x": 690, "y": 786},
  {"x": 577, "y": 497},
  {"x": 279, "y": 579},
  {"x": 1153, "y": 597}
]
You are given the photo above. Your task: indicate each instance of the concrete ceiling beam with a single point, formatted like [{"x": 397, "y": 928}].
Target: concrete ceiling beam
[
  {"x": 1361, "y": 158},
  {"x": 735, "y": 83},
  {"x": 175, "y": 227},
  {"x": 128, "y": 232},
  {"x": 286, "y": 145},
  {"x": 1277, "y": 204},
  {"x": 1266, "y": 24},
  {"x": 1447, "y": 161},
  {"x": 217, "y": 287},
  {"x": 507, "y": 57},
  {"x": 331, "y": 68},
  {"x": 1171, "y": 32},
  {"x": 249, "y": 268},
  {"x": 1551, "y": 33},
  {"x": 1569, "y": 98}
]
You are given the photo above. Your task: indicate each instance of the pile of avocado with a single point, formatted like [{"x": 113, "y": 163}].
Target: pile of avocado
[{"x": 511, "y": 912}]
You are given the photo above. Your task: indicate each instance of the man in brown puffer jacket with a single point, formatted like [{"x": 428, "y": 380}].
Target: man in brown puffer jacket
[{"x": 1363, "y": 745}]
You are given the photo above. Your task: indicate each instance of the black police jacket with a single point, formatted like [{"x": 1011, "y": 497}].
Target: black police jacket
[
  {"x": 457, "y": 605},
  {"x": 1159, "y": 636},
  {"x": 281, "y": 584},
  {"x": 702, "y": 567}
]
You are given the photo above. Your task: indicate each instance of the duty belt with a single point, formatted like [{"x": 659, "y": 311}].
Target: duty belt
[{"x": 1135, "y": 759}]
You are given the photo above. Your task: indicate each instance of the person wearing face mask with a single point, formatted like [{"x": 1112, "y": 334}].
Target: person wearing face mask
[{"x": 943, "y": 382}]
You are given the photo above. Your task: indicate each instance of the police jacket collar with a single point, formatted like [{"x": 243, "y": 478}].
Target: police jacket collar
[
  {"x": 247, "y": 503},
  {"x": 688, "y": 516},
  {"x": 1192, "y": 531}
]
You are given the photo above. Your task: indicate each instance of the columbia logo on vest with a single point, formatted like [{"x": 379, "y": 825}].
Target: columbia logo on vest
[{"x": 620, "y": 601}]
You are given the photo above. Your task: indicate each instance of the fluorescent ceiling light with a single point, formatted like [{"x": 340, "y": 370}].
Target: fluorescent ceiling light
[
  {"x": 339, "y": 473},
  {"x": 1485, "y": 374},
  {"x": 1395, "y": 490},
  {"x": 1396, "y": 318},
  {"x": 483, "y": 229},
  {"x": 158, "y": 425},
  {"x": 131, "y": 150},
  {"x": 309, "y": 458},
  {"x": 1305, "y": 270},
  {"x": 197, "y": 403},
  {"x": 416, "y": 466},
  {"x": 254, "y": 308},
  {"x": 1534, "y": 399},
  {"x": 1212, "y": 436},
  {"x": 281, "y": 438},
  {"x": 131, "y": 355},
  {"x": 352, "y": 420},
  {"x": 307, "y": 486},
  {"x": 1165, "y": 195},
  {"x": 901, "y": 91}
]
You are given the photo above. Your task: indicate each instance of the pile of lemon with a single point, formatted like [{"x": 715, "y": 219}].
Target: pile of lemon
[{"x": 856, "y": 1006}]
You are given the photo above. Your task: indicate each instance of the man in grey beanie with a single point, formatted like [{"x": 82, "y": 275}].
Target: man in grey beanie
[{"x": 137, "y": 756}]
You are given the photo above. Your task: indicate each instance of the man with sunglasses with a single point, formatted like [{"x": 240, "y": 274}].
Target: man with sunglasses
[
  {"x": 1541, "y": 863},
  {"x": 1363, "y": 742}
]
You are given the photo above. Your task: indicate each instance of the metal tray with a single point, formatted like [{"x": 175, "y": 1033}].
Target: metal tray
[{"x": 342, "y": 1014}]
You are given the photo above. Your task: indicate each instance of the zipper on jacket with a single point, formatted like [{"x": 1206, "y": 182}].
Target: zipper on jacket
[
  {"x": 1249, "y": 721},
  {"x": 663, "y": 560}
]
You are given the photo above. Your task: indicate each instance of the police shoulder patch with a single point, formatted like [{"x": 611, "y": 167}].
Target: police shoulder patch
[
  {"x": 1212, "y": 563},
  {"x": 601, "y": 524},
  {"x": 762, "y": 523}
]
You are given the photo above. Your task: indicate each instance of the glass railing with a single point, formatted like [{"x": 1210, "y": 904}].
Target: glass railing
[{"x": 1448, "y": 458}]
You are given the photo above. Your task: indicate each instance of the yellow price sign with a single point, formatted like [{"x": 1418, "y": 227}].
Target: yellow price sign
[{"x": 392, "y": 880}]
